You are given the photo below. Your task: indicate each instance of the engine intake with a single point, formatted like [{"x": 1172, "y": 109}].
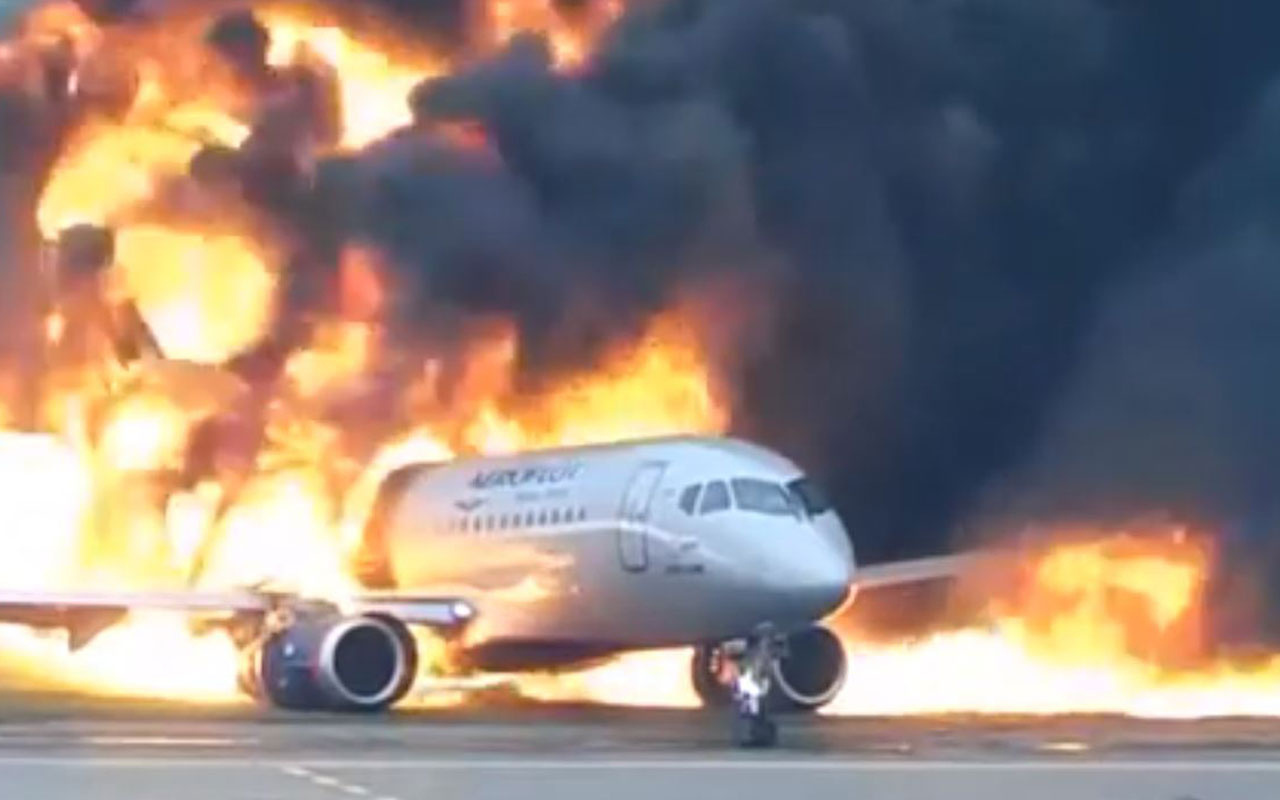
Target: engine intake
[
  {"x": 808, "y": 677},
  {"x": 355, "y": 663},
  {"x": 811, "y": 673}
]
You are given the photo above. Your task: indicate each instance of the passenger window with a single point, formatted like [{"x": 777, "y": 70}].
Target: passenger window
[
  {"x": 542, "y": 517},
  {"x": 528, "y": 519},
  {"x": 689, "y": 498},
  {"x": 716, "y": 498},
  {"x": 555, "y": 516}
]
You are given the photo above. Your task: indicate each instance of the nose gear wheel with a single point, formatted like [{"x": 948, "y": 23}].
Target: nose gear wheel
[{"x": 753, "y": 726}]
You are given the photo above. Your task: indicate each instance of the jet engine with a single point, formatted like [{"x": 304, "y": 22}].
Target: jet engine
[
  {"x": 807, "y": 677},
  {"x": 362, "y": 663},
  {"x": 811, "y": 673}
]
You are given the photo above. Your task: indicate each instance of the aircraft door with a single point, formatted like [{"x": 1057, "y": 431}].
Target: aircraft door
[{"x": 633, "y": 546}]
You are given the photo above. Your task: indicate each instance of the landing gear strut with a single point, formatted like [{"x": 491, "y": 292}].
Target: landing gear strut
[{"x": 753, "y": 672}]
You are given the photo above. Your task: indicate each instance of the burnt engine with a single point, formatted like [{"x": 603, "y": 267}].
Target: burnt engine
[
  {"x": 805, "y": 678},
  {"x": 363, "y": 663}
]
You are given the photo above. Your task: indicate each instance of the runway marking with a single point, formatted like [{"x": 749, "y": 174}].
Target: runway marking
[{"x": 326, "y": 781}]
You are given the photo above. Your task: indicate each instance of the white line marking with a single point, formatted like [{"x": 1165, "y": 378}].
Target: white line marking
[{"x": 327, "y": 781}]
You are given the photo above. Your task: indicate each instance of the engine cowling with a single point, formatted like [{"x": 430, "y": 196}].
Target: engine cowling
[
  {"x": 812, "y": 671},
  {"x": 363, "y": 663},
  {"x": 806, "y": 678}
]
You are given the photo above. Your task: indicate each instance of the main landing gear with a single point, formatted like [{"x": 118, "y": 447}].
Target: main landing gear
[{"x": 752, "y": 672}]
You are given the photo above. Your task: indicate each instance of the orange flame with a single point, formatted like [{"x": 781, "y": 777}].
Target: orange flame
[
  {"x": 569, "y": 37},
  {"x": 373, "y": 86},
  {"x": 1110, "y": 624},
  {"x": 207, "y": 296}
]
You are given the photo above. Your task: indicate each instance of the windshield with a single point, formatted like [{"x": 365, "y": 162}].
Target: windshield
[
  {"x": 715, "y": 498},
  {"x": 750, "y": 494},
  {"x": 809, "y": 496}
]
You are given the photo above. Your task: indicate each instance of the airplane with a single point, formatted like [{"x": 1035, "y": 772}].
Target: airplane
[{"x": 555, "y": 558}]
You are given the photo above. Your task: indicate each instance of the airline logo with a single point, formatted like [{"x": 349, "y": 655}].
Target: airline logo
[{"x": 536, "y": 475}]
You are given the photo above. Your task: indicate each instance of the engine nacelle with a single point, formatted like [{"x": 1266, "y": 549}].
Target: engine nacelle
[
  {"x": 363, "y": 663},
  {"x": 806, "y": 678},
  {"x": 812, "y": 671}
]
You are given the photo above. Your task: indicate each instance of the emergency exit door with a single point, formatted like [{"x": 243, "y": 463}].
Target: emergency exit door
[{"x": 633, "y": 545}]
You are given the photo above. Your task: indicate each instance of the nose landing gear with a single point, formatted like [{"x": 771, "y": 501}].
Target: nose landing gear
[{"x": 753, "y": 667}]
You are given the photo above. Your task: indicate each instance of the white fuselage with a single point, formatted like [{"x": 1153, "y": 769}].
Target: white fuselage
[{"x": 593, "y": 545}]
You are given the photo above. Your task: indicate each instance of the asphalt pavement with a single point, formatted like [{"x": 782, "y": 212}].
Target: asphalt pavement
[{"x": 584, "y": 752}]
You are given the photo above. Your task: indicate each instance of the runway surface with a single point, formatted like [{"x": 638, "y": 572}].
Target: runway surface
[{"x": 570, "y": 753}]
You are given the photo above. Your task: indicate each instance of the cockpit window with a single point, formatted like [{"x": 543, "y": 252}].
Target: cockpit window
[
  {"x": 715, "y": 498},
  {"x": 810, "y": 496},
  {"x": 689, "y": 498},
  {"x": 751, "y": 494}
]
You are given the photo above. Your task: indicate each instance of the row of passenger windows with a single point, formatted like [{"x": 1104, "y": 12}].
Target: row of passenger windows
[
  {"x": 748, "y": 494},
  {"x": 527, "y": 519}
]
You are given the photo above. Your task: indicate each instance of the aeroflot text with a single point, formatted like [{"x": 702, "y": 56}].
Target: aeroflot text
[{"x": 499, "y": 478}]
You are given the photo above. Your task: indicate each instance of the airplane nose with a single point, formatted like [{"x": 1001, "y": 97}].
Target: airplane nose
[
  {"x": 820, "y": 579},
  {"x": 830, "y": 585}
]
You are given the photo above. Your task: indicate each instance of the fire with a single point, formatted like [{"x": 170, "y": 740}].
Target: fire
[
  {"x": 102, "y": 499},
  {"x": 652, "y": 679},
  {"x": 206, "y": 295},
  {"x": 373, "y": 87},
  {"x": 1108, "y": 622},
  {"x": 569, "y": 38},
  {"x": 286, "y": 528},
  {"x": 145, "y": 430},
  {"x": 108, "y": 170},
  {"x": 655, "y": 386}
]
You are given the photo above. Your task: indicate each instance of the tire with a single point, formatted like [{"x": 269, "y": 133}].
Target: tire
[{"x": 754, "y": 731}]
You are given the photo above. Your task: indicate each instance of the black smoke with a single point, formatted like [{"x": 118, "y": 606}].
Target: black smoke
[
  {"x": 1017, "y": 254},
  {"x": 957, "y": 191}
]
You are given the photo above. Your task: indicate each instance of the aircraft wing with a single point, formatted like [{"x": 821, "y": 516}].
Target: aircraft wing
[
  {"x": 86, "y": 614},
  {"x": 916, "y": 571}
]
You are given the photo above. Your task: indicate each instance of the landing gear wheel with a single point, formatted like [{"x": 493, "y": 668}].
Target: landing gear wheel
[
  {"x": 754, "y": 730},
  {"x": 753, "y": 671}
]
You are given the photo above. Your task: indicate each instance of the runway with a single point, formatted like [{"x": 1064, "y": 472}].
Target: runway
[{"x": 585, "y": 752}]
